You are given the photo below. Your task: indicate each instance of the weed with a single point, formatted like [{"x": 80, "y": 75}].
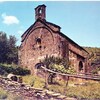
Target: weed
[{"x": 89, "y": 91}]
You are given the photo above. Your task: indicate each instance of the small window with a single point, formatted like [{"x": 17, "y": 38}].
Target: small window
[{"x": 38, "y": 41}]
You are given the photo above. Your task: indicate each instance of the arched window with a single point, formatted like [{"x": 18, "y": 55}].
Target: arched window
[
  {"x": 80, "y": 66},
  {"x": 38, "y": 41}
]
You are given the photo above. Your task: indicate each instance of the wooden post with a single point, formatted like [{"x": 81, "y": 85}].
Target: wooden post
[
  {"x": 46, "y": 80},
  {"x": 65, "y": 88}
]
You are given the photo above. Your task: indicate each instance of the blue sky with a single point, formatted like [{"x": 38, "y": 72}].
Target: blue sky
[{"x": 79, "y": 20}]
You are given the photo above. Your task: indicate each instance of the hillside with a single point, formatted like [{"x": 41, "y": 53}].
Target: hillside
[
  {"x": 94, "y": 58},
  {"x": 94, "y": 53}
]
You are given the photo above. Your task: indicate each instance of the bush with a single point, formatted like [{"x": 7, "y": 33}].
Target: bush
[
  {"x": 4, "y": 69},
  {"x": 56, "y": 60},
  {"x": 59, "y": 65}
]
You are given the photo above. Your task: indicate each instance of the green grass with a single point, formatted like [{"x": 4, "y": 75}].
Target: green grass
[
  {"x": 4, "y": 95},
  {"x": 90, "y": 91},
  {"x": 34, "y": 81}
]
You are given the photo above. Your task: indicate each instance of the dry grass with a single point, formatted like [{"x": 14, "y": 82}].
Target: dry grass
[
  {"x": 91, "y": 90},
  {"x": 4, "y": 95}
]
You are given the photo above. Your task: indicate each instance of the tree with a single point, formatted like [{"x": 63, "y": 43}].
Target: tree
[
  {"x": 8, "y": 49},
  {"x": 12, "y": 55},
  {"x": 3, "y": 47}
]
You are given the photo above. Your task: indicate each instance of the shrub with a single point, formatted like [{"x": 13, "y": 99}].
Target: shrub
[
  {"x": 55, "y": 60},
  {"x": 59, "y": 65},
  {"x": 4, "y": 69}
]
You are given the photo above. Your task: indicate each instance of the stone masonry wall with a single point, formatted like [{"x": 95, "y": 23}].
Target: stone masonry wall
[{"x": 42, "y": 41}]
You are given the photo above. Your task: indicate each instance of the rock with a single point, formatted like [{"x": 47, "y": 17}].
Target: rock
[{"x": 12, "y": 77}]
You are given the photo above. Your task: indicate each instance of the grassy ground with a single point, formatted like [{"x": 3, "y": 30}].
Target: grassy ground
[
  {"x": 4, "y": 95},
  {"x": 91, "y": 89}
]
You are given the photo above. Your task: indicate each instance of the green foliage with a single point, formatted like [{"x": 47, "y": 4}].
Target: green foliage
[
  {"x": 3, "y": 47},
  {"x": 93, "y": 53},
  {"x": 33, "y": 80},
  {"x": 3, "y": 94},
  {"x": 95, "y": 71},
  {"x": 12, "y": 55},
  {"x": 61, "y": 69},
  {"x": 58, "y": 64},
  {"x": 5, "y": 69},
  {"x": 57, "y": 68},
  {"x": 55, "y": 60},
  {"x": 8, "y": 49}
]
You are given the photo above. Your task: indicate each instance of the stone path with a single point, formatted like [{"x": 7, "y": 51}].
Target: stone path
[{"x": 30, "y": 93}]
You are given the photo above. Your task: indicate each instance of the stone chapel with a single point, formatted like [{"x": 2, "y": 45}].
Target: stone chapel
[{"x": 44, "y": 38}]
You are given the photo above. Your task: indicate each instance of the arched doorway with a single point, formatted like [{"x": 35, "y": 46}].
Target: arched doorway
[
  {"x": 37, "y": 69},
  {"x": 38, "y": 65},
  {"x": 80, "y": 66}
]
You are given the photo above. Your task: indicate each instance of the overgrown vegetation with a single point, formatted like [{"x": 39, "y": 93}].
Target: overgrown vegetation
[
  {"x": 94, "y": 53},
  {"x": 58, "y": 64},
  {"x": 94, "y": 58},
  {"x": 6, "y": 69}
]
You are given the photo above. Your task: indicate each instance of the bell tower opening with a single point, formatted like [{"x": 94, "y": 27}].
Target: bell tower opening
[{"x": 40, "y": 12}]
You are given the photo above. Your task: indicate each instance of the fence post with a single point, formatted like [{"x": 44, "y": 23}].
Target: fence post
[{"x": 65, "y": 88}]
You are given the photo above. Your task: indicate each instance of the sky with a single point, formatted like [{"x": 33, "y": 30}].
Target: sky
[{"x": 79, "y": 20}]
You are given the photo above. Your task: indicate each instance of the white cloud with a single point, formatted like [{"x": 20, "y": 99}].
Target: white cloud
[
  {"x": 1, "y": 1},
  {"x": 20, "y": 32},
  {"x": 9, "y": 19}
]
